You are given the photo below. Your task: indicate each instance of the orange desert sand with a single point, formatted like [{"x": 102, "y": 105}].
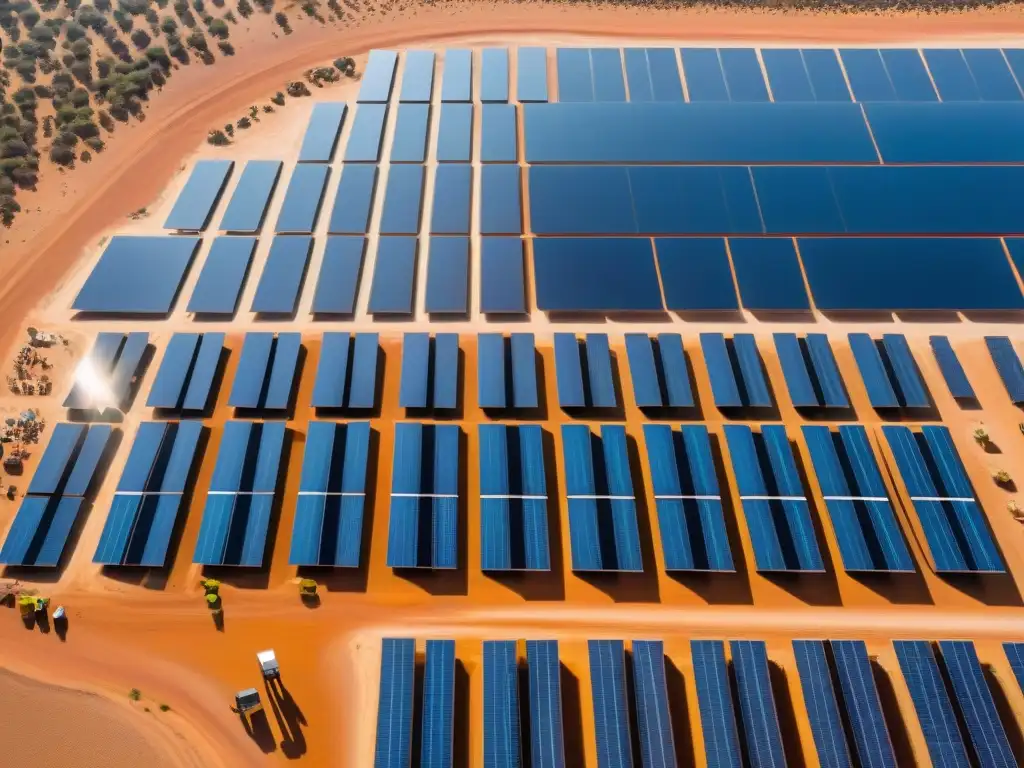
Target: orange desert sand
[{"x": 64, "y": 701}]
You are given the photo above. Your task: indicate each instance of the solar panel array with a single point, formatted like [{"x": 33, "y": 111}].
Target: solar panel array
[
  {"x": 113, "y": 361},
  {"x": 347, "y": 374},
  {"x": 186, "y": 378},
  {"x": 265, "y": 378},
  {"x": 890, "y": 374},
  {"x": 430, "y": 371},
  {"x": 506, "y": 371},
  {"x": 597, "y": 388}
]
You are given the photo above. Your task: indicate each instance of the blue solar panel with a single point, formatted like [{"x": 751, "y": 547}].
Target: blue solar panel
[
  {"x": 546, "y": 745},
  {"x": 453, "y": 186},
  {"x": 868, "y": 77},
  {"x": 413, "y": 390},
  {"x": 500, "y": 205},
  {"x": 322, "y": 132},
  {"x": 448, "y": 276},
  {"x": 638, "y": 75},
  {"x": 908, "y": 75},
  {"x": 393, "y": 748},
  {"x": 575, "y": 78},
  {"x": 757, "y": 705},
  {"x": 951, "y": 75},
  {"x": 611, "y": 706},
  {"x": 860, "y": 699},
  {"x": 340, "y": 271},
  {"x": 931, "y": 701},
  {"x": 743, "y": 76},
  {"x": 302, "y": 200},
  {"x": 687, "y": 498},
  {"x": 823, "y": 361},
  {"x": 366, "y": 134},
  {"x": 622, "y": 275},
  {"x": 282, "y": 373},
  {"x": 499, "y": 139},
  {"x": 1008, "y": 364},
  {"x": 872, "y": 371},
  {"x": 199, "y": 196},
  {"x": 418, "y": 76},
  {"x": 394, "y": 276},
  {"x": 748, "y": 359},
  {"x": 569, "y": 371},
  {"x": 91, "y": 453},
  {"x": 724, "y": 386},
  {"x": 363, "y": 387},
  {"x": 657, "y": 746},
  {"x": 53, "y": 466},
  {"x": 283, "y": 274},
  {"x": 332, "y": 372},
  {"x": 702, "y": 69},
  {"x": 714, "y": 701},
  {"x": 869, "y": 536},
  {"x": 643, "y": 371},
  {"x": 820, "y": 701},
  {"x": 826, "y": 75},
  {"x": 437, "y": 739},
  {"x": 532, "y": 74},
  {"x": 252, "y": 370},
  {"x": 378, "y": 77},
  {"x": 696, "y": 275},
  {"x": 220, "y": 283},
  {"x": 992, "y": 74},
  {"x": 675, "y": 370},
  {"x": 599, "y": 371},
  {"x": 99, "y": 361},
  {"x": 494, "y": 74},
  {"x": 768, "y": 274},
  {"x": 795, "y": 371},
  {"x": 457, "y": 84},
  {"x": 696, "y": 133},
  {"x": 976, "y": 704},
  {"x": 1015, "y": 655},
  {"x": 957, "y": 381},
  {"x": 403, "y": 200},
  {"x": 40, "y": 531},
  {"x": 204, "y": 371},
  {"x": 787, "y": 75},
  {"x": 168, "y": 388},
  {"x": 353, "y": 201},
  {"x": 455, "y": 134},
  {"x": 502, "y": 280},
  {"x": 123, "y": 377},
  {"x": 912, "y": 393},
  {"x": 137, "y": 275},
  {"x": 665, "y": 82},
  {"x": 501, "y": 705},
  {"x": 446, "y": 371},
  {"x": 251, "y": 197},
  {"x": 524, "y": 370},
  {"x": 491, "y": 376},
  {"x": 409, "y": 144},
  {"x": 606, "y": 66}
]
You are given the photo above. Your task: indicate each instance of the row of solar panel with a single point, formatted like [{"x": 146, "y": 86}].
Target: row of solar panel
[
  {"x": 684, "y": 274},
  {"x": 602, "y": 512},
  {"x": 952, "y": 699},
  {"x": 790, "y": 74}
]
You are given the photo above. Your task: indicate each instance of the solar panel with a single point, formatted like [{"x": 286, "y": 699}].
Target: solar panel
[
  {"x": 402, "y": 200},
  {"x": 911, "y": 389},
  {"x": 638, "y": 74},
  {"x": 498, "y": 134},
  {"x": 547, "y": 749},
  {"x": 743, "y": 75},
  {"x": 198, "y": 198},
  {"x": 340, "y": 271},
  {"x": 820, "y": 701},
  {"x": 86, "y": 466},
  {"x": 696, "y": 275},
  {"x": 755, "y": 386},
  {"x": 455, "y": 133},
  {"x": 569, "y": 371},
  {"x": 957, "y": 381},
  {"x": 856, "y": 499},
  {"x": 491, "y": 377},
  {"x": 768, "y": 274},
  {"x": 453, "y": 186},
  {"x": 204, "y": 372},
  {"x": 611, "y": 707},
  {"x": 931, "y": 702},
  {"x": 860, "y": 699},
  {"x": 606, "y": 65},
  {"x": 872, "y": 371},
  {"x": 910, "y": 79},
  {"x": 248, "y": 205},
  {"x": 448, "y": 276},
  {"x": 251, "y": 374},
  {"x": 322, "y": 132},
  {"x": 220, "y": 283},
  {"x": 501, "y": 705},
  {"x": 418, "y": 77},
  {"x": 378, "y": 77},
  {"x": 137, "y": 276},
  {"x": 826, "y": 371},
  {"x": 332, "y": 371},
  {"x": 393, "y": 748},
  {"x": 1008, "y": 364},
  {"x": 621, "y": 274},
  {"x": 524, "y": 370},
  {"x": 281, "y": 382},
  {"x": 40, "y": 531},
  {"x": 643, "y": 371},
  {"x": 724, "y": 386},
  {"x": 500, "y": 205},
  {"x": 1015, "y": 655},
  {"x": 787, "y": 75},
  {"x": 705, "y": 80},
  {"x": 827, "y": 79},
  {"x": 868, "y": 77},
  {"x": 714, "y": 701},
  {"x": 99, "y": 362},
  {"x": 494, "y": 74},
  {"x": 457, "y": 84},
  {"x": 283, "y": 275},
  {"x": 532, "y": 74},
  {"x": 687, "y": 498},
  {"x": 446, "y": 371},
  {"x": 168, "y": 390},
  {"x": 575, "y": 77},
  {"x": 409, "y": 144},
  {"x": 363, "y": 385},
  {"x": 502, "y": 279},
  {"x": 950, "y": 74},
  {"x": 795, "y": 371},
  {"x": 394, "y": 276},
  {"x": 436, "y": 745},
  {"x": 302, "y": 200},
  {"x": 657, "y": 746},
  {"x": 599, "y": 371},
  {"x": 366, "y": 134},
  {"x": 757, "y": 704},
  {"x": 353, "y": 201},
  {"x": 123, "y": 379},
  {"x": 55, "y": 460},
  {"x": 413, "y": 390}
]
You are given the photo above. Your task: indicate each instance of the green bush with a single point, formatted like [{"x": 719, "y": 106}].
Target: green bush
[
  {"x": 8, "y": 209},
  {"x": 62, "y": 155},
  {"x": 14, "y": 148},
  {"x": 67, "y": 139},
  {"x": 219, "y": 28},
  {"x": 95, "y": 143},
  {"x": 6, "y": 186},
  {"x": 30, "y": 18},
  {"x": 169, "y": 25}
]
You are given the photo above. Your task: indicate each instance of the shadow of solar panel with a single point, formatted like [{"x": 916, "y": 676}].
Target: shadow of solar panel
[
  {"x": 220, "y": 283},
  {"x": 531, "y": 74},
  {"x": 354, "y": 200},
  {"x": 322, "y": 132},
  {"x": 394, "y": 276},
  {"x": 950, "y": 74},
  {"x": 498, "y": 142},
  {"x": 696, "y": 133},
  {"x": 494, "y": 74},
  {"x": 283, "y": 274},
  {"x": 768, "y": 274},
  {"x": 403, "y": 200},
  {"x": 866, "y": 72},
  {"x": 366, "y": 134},
  {"x": 457, "y": 75},
  {"x": 908, "y": 75},
  {"x": 962, "y": 274},
  {"x": 967, "y": 132},
  {"x": 448, "y": 276},
  {"x": 393, "y": 748},
  {"x": 137, "y": 275},
  {"x": 378, "y": 77},
  {"x": 338, "y": 285},
  {"x": 695, "y": 274},
  {"x": 502, "y": 280},
  {"x": 453, "y": 187},
  {"x": 953, "y": 373},
  {"x": 743, "y": 76},
  {"x": 619, "y": 275},
  {"x": 409, "y": 144},
  {"x": 418, "y": 77},
  {"x": 702, "y": 69},
  {"x": 199, "y": 196},
  {"x": 787, "y": 75},
  {"x": 611, "y": 705},
  {"x": 501, "y": 210},
  {"x": 1008, "y": 365},
  {"x": 826, "y": 75},
  {"x": 302, "y": 200},
  {"x": 606, "y": 68},
  {"x": 248, "y": 206},
  {"x": 455, "y": 134}
]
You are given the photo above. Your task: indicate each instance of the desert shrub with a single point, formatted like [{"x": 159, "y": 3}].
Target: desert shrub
[
  {"x": 30, "y": 18},
  {"x": 87, "y": 17},
  {"x": 219, "y": 28},
  {"x": 6, "y": 186},
  {"x": 95, "y": 143},
  {"x": 62, "y": 155},
  {"x": 244, "y": 9},
  {"x": 104, "y": 66},
  {"x": 226, "y": 48},
  {"x": 106, "y": 121},
  {"x": 9, "y": 208},
  {"x": 282, "y": 20},
  {"x": 84, "y": 129},
  {"x": 141, "y": 39},
  {"x": 82, "y": 70},
  {"x": 124, "y": 22},
  {"x": 86, "y": 156},
  {"x": 169, "y": 25},
  {"x": 158, "y": 56},
  {"x": 346, "y": 65},
  {"x": 217, "y": 138},
  {"x": 68, "y": 59},
  {"x": 278, "y": 98},
  {"x": 244, "y": 122},
  {"x": 14, "y": 148},
  {"x": 197, "y": 41},
  {"x": 81, "y": 49},
  {"x": 79, "y": 97},
  {"x": 25, "y": 176},
  {"x": 26, "y": 68},
  {"x": 42, "y": 34}
]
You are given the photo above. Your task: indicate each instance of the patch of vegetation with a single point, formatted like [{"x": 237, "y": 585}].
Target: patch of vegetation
[{"x": 134, "y": 694}]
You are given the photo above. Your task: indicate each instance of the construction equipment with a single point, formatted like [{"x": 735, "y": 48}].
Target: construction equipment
[{"x": 268, "y": 664}]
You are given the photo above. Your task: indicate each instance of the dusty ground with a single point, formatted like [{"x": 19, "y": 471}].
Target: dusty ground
[{"x": 152, "y": 632}]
